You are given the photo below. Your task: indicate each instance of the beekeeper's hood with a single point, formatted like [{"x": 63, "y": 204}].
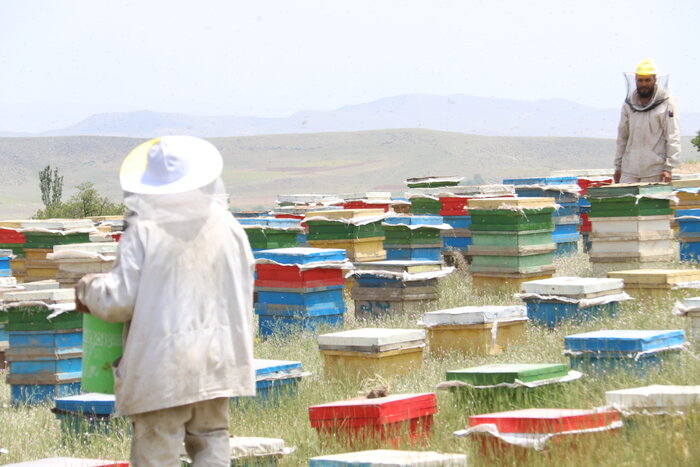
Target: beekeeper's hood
[
  {"x": 173, "y": 178},
  {"x": 661, "y": 91}
]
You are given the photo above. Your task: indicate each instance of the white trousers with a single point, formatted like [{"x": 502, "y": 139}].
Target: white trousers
[
  {"x": 630, "y": 179},
  {"x": 157, "y": 436}
]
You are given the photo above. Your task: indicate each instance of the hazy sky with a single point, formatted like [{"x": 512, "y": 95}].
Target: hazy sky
[{"x": 61, "y": 61}]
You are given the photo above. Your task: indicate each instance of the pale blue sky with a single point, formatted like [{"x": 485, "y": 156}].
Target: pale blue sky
[{"x": 61, "y": 61}]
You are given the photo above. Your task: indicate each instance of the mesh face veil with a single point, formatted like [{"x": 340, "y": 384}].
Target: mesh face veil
[{"x": 659, "y": 95}]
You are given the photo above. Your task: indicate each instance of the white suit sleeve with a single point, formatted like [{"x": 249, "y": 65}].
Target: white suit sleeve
[
  {"x": 623, "y": 132},
  {"x": 673, "y": 137},
  {"x": 111, "y": 296}
]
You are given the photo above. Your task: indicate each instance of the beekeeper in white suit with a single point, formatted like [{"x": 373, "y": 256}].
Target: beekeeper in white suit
[{"x": 183, "y": 285}]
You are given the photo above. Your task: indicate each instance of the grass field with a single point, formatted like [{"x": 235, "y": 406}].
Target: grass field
[{"x": 32, "y": 432}]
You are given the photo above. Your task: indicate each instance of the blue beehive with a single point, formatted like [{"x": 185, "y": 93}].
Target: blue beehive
[
  {"x": 552, "y": 313},
  {"x": 276, "y": 378},
  {"x": 414, "y": 220},
  {"x": 600, "y": 352},
  {"x": 5, "y": 269},
  {"x": 458, "y": 222},
  {"x": 301, "y": 255},
  {"x": 38, "y": 389},
  {"x": 87, "y": 413},
  {"x": 413, "y": 252}
]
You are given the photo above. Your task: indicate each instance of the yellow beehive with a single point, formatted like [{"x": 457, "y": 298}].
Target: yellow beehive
[
  {"x": 474, "y": 329},
  {"x": 12, "y": 224},
  {"x": 657, "y": 283},
  {"x": 522, "y": 203},
  {"x": 372, "y": 352},
  {"x": 359, "y": 249},
  {"x": 687, "y": 183}
]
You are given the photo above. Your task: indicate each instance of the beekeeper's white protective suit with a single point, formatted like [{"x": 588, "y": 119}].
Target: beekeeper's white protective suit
[{"x": 183, "y": 285}]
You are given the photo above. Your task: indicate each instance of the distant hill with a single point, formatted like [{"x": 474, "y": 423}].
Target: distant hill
[
  {"x": 257, "y": 168},
  {"x": 454, "y": 113}
]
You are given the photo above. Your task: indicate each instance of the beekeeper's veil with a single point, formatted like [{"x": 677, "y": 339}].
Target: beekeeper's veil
[
  {"x": 660, "y": 93},
  {"x": 173, "y": 178}
]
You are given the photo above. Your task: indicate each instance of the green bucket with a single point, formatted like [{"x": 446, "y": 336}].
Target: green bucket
[{"x": 102, "y": 345}]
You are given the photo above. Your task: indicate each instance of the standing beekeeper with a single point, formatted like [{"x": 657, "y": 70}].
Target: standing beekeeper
[
  {"x": 183, "y": 285},
  {"x": 648, "y": 137}
]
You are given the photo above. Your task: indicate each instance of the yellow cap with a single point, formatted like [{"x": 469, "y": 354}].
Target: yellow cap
[{"x": 646, "y": 67}]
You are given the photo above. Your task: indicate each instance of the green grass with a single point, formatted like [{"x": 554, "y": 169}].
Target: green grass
[{"x": 32, "y": 432}]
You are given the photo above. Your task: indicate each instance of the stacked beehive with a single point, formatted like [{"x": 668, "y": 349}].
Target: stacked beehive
[
  {"x": 631, "y": 226},
  {"x": 77, "y": 259},
  {"x": 511, "y": 240},
  {"x": 265, "y": 233},
  {"x": 45, "y": 352},
  {"x": 358, "y": 231},
  {"x": 43, "y": 235},
  {"x": 688, "y": 223},
  {"x": 299, "y": 289},
  {"x": 553, "y": 301},
  {"x": 455, "y": 213},
  {"x": 372, "y": 352},
  {"x": 390, "y": 287},
  {"x": 638, "y": 352},
  {"x": 565, "y": 192},
  {"x": 413, "y": 237},
  {"x": 688, "y": 193},
  {"x": 12, "y": 239}
]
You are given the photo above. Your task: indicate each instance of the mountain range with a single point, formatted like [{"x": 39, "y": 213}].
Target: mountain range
[{"x": 454, "y": 113}]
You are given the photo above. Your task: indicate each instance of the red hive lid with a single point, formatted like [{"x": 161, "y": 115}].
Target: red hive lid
[
  {"x": 361, "y": 412},
  {"x": 546, "y": 420}
]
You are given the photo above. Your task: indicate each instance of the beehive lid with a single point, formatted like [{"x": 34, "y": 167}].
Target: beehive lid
[
  {"x": 572, "y": 286},
  {"x": 58, "y": 224},
  {"x": 546, "y": 420},
  {"x": 474, "y": 315},
  {"x": 389, "y": 458},
  {"x": 410, "y": 266},
  {"x": 108, "y": 248},
  {"x": 507, "y": 373},
  {"x": 69, "y": 462},
  {"x": 243, "y": 447},
  {"x": 624, "y": 340},
  {"x": 346, "y": 213},
  {"x": 370, "y": 339},
  {"x": 12, "y": 224},
  {"x": 264, "y": 367},
  {"x": 692, "y": 302},
  {"x": 522, "y": 203},
  {"x": 301, "y": 255},
  {"x": 360, "y": 412},
  {"x": 628, "y": 189},
  {"x": 50, "y": 295},
  {"x": 414, "y": 220},
  {"x": 5, "y": 253},
  {"x": 654, "y": 397},
  {"x": 92, "y": 403},
  {"x": 47, "y": 284},
  {"x": 656, "y": 276}
]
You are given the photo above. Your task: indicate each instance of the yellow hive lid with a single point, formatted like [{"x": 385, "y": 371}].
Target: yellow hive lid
[
  {"x": 656, "y": 276},
  {"x": 346, "y": 213},
  {"x": 13, "y": 224},
  {"x": 687, "y": 183},
  {"x": 524, "y": 203}
]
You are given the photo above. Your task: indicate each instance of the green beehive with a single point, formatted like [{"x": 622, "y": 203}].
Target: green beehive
[
  {"x": 265, "y": 239},
  {"x": 628, "y": 189},
  {"x": 490, "y": 375},
  {"x": 403, "y": 235},
  {"x": 337, "y": 230},
  {"x": 33, "y": 318},
  {"x": 512, "y": 239},
  {"x": 17, "y": 248},
  {"x": 629, "y": 206},
  {"x": 425, "y": 206},
  {"x": 508, "y": 220},
  {"x": 505, "y": 263},
  {"x": 49, "y": 240}
]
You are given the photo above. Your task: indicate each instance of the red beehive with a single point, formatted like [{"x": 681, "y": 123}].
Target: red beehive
[
  {"x": 586, "y": 225},
  {"x": 586, "y": 182},
  {"x": 383, "y": 421},
  {"x": 275, "y": 275},
  {"x": 361, "y": 204},
  {"x": 12, "y": 236},
  {"x": 542, "y": 422},
  {"x": 454, "y": 206}
]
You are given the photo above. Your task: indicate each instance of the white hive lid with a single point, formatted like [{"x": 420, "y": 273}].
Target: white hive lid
[
  {"x": 59, "y": 224},
  {"x": 109, "y": 248},
  {"x": 654, "y": 397},
  {"x": 370, "y": 337},
  {"x": 52, "y": 295},
  {"x": 572, "y": 286},
  {"x": 390, "y": 458},
  {"x": 474, "y": 315},
  {"x": 245, "y": 446},
  {"x": 41, "y": 285}
]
